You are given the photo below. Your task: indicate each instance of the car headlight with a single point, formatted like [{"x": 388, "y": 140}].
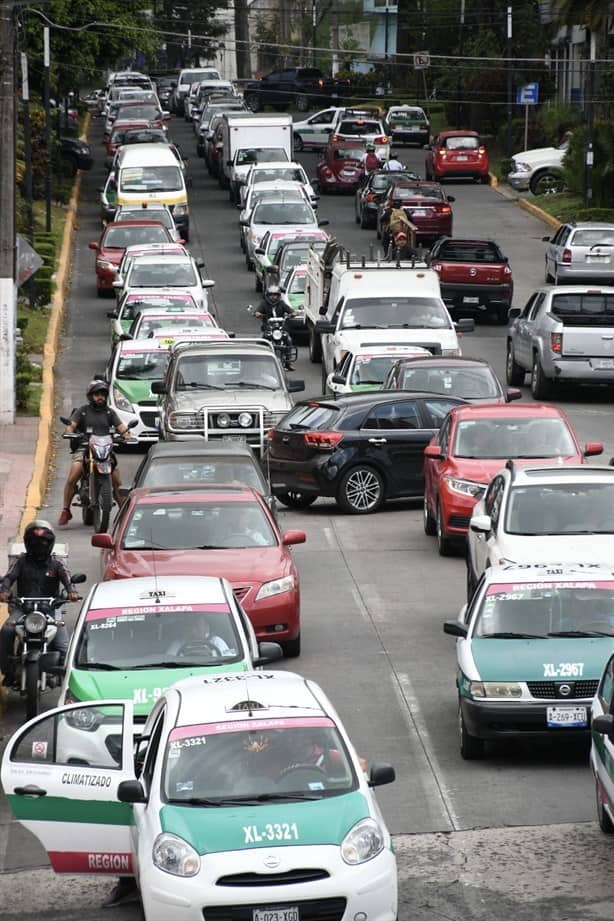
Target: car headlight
[
  {"x": 35, "y": 622},
  {"x": 174, "y": 855},
  {"x": 121, "y": 402},
  {"x": 245, "y": 420},
  {"x": 522, "y": 168},
  {"x": 495, "y": 689},
  {"x": 276, "y": 587},
  {"x": 180, "y": 210},
  {"x": 107, "y": 266},
  {"x": 466, "y": 487},
  {"x": 363, "y": 842},
  {"x": 223, "y": 420},
  {"x": 85, "y": 720},
  {"x": 183, "y": 420}
]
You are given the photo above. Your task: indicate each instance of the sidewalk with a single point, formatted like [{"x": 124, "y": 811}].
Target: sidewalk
[{"x": 17, "y": 448}]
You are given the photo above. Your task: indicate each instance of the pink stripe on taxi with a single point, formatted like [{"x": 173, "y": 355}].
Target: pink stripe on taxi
[
  {"x": 104, "y": 613},
  {"x": 505, "y": 587},
  {"x": 253, "y": 725}
]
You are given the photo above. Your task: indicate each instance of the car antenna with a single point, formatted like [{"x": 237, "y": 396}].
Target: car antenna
[{"x": 156, "y": 592}]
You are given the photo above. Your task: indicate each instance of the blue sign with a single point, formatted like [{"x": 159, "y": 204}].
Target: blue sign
[{"x": 527, "y": 95}]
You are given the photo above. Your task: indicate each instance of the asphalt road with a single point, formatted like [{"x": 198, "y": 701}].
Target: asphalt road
[{"x": 375, "y": 594}]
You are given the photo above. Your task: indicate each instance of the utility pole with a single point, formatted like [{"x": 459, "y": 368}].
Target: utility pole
[
  {"x": 27, "y": 142},
  {"x": 8, "y": 289},
  {"x": 244, "y": 68},
  {"x": 314, "y": 31},
  {"x": 590, "y": 119},
  {"x": 47, "y": 94},
  {"x": 459, "y": 104},
  {"x": 510, "y": 89}
]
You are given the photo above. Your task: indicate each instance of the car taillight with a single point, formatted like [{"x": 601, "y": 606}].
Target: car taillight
[
  {"x": 481, "y": 150},
  {"x": 566, "y": 255},
  {"x": 444, "y": 209},
  {"x": 270, "y": 434},
  {"x": 335, "y": 137},
  {"x": 436, "y": 266},
  {"x": 320, "y": 82},
  {"x": 556, "y": 342},
  {"x": 507, "y": 270},
  {"x": 327, "y": 171},
  {"x": 322, "y": 441},
  {"x": 381, "y": 140},
  {"x": 370, "y": 196},
  {"x": 442, "y": 151}
]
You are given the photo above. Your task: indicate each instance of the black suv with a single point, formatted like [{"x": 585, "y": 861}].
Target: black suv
[{"x": 294, "y": 86}]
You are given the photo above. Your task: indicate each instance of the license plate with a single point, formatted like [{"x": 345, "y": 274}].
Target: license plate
[
  {"x": 461, "y": 159},
  {"x": 471, "y": 300},
  {"x": 276, "y": 914},
  {"x": 241, "y": 438},
  {"x": 566, "y": 716},
  {"x": 348, "y": 173},
  {"x": 602, "y": 364},
  {"x": 418, "y": 212},
  {"x": 595, "y": 258}
]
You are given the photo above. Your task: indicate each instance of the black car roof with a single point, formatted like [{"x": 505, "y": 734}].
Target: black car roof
[
  {"x": 371, "y": 398},
  {"x": 436, "y": 361}
]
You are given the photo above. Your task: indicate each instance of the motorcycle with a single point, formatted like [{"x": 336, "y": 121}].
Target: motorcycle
[
  {"x": 95, "y": 489},
  {"x": 32, "y": 663},
  {"x": 276, "y": 332}
]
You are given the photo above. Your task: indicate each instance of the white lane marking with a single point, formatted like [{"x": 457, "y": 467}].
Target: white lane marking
[
  {"x": 330, "y": 537},
  {"x": 405, "y": 694},
  {"x": 362, "y": 609}
]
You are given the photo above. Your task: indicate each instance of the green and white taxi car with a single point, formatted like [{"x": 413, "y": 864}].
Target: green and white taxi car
[
  {"x": 133, "y": 368},
  {"x": 531, "y": 647},
  {"x": 250, "y": 803},
  {"x": 148, "y": 321},
  {"x": 602, "y": 748},
  {"x": 135, "y": 637},
  {"x": 134, "y": 302},
  {"x": 365, "y": 366}
]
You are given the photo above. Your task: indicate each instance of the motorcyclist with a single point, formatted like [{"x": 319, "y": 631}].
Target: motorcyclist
[
  {"x": 371, "y": 161},
  {"x": 273, "y": 306},
  {"x": 97, "y": 418},
  {"x": 37, "y": 573},
  {"x": 400, "y": 248}
]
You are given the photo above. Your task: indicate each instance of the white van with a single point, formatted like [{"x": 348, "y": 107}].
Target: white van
[
  {"x": 186, "y": 78},
  {"x": 151, "y": 173}
]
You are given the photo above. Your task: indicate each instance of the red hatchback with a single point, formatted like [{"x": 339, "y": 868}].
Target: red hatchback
[
  {"x": 115, "y": 238},
  {"x": 221, "y": 530},
  {"x": 425, "y": 204},
  {"x": 473, "y": 443},
  {"x": 341, "y": 168},
  {"x": 457, "y": 154}
]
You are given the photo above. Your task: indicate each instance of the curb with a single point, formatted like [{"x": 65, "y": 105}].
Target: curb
[
  {"x": 494, "y": 182},
  {"x": 42, "y": 455},
  {"x": 536, "y": 211}
]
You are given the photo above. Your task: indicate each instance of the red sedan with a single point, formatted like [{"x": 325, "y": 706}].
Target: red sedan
[
  {"x": 341, "y": 168},
  {"x": 456, "y": 154},
  {"x": 116, "y": 137},
  {"x": 222, "y": 530},
  {"x": 425, "y": 204},
  {"x": 473, "y": 443},
  {"x": 115, "y": 238}
]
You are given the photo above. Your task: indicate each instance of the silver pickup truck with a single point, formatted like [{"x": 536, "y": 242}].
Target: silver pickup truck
[
  {"x": 224, "y": 389},
  {"x": 562, "y": 334}
]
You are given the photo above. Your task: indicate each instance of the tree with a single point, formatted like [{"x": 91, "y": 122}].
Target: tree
[
  {"x": 590, "y": 13},
  {"x": 175, "y": 20}
]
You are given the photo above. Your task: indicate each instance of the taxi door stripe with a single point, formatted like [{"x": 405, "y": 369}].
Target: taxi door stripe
[
  {"x": 91, "y": 862},
  {"x": 62, "y": 809}
]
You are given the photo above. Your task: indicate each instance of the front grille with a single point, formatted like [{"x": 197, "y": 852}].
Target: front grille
[
  {"x": 272, "y": 879},
  {"x": 549, "y": 689},
  {"x": 149, "y": 420},
  {"x": 312, "y": 910},
  {"x": 458, "y": 521}
]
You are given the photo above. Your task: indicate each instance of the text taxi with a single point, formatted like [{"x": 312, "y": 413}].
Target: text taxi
[
  {"x": 532, "y": 645},
  {"x": 244, "y": 807}
]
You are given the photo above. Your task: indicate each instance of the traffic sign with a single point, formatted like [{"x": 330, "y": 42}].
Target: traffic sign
[
  {"x": 527, "y": 95},
  {"x": 422, "y": 60}
]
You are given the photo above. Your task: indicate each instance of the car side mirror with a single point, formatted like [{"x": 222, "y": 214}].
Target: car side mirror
[
  {"x": 604, "y": 725},
  {"x": 125, "y": 491},
  {"x": 158, "y": 387},
  {"x": 481, "y": 524},
  {"x": 465, "y": 325},
  {"x": 208, "y": 283},
  {"x": 131, "y": 791},
  {"x": 451, "y": 198},
  {"x": 103, "y": 541},
  {"x": 268, "y": 652},
  {"x": 513, "y": 313},
  {"x": 293, "y": 537},
  {"x": 454, "y": 628},
  {"x": 592, "y": 449},
  {"x": 433, "y": 451},
  {"x": 545, "y": 239},
  {"x": 112, "y": 314},
  {"x": 93, "y": 245},
  {"x": 296, "y": 386},
  {"x": 259, "y": 251},
  {"x": 323, "y": 327},
  {"x": 323, "y": 223},
  {"x": 380, "y": 774},
  {"x": 243, "y": 221},
  {"x": 79, "y": 578},
  {"x": 512, "y": 394},
  {"x": 337, "y": 379},
  {"x": 118, "y": 283}
]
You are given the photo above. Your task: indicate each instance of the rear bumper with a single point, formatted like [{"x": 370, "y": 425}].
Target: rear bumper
[
  {"x": 451, "y": 170},
  {"x": 306, "y": 477},
  {"x": 581, "y": 369},
  {"x": 455, "y": 293},
  {"x": 575, "y": 274},
  {"x": 492, "y": 720},
  {"x": 409, "y": 137}
]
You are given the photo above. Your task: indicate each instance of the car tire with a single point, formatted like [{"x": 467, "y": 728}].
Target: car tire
[
  {"x": 547, "y": 276},
  {"x": 292, "y": 648},
  {"x": 541, "y": 387},
  {"x": 471, "y": 748},
  {"x": 100, "y": 292},
  {"x": 605, "y": 822},
  {"x": 546, "y": 183},
  {"x": 357, "y": 217},
  {"x": 252, "y": 101},
  {"x": 378, "y": 232},
  {"x": 444, "y": 544},
  {"x": 485, "y": 180},
  {"x": 514, "y": 374},
  {"x": 430, "y": 525},
  {"x": 315, "y": 347},
  {"x": 292, "y": 499},
  {"x": 298, "y": 143},
  {"x": 361, "y": 490},
  {"x": 302, "y": 102},
  {"x": 555, "y": 277}
]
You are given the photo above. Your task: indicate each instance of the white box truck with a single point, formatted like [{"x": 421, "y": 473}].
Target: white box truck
[
  {"x": 349, "y": 298},
  {"x": 249, "y": 139}
]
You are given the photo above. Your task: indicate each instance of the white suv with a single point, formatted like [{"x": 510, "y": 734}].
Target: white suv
[
  {"x": 536, "y": 514},
  {"x": 540, "y": 170}
]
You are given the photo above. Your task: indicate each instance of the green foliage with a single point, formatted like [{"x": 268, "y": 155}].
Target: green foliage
[
  {"x": 603, "y": 167},
  {"x": 25, "y": 373},
  {"x": 590, "y": 13},
  {"x": 199, "y": 17}
]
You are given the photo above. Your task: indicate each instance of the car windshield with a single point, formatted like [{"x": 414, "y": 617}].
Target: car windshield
[
  {"x": 121, "y": 237},
  {"x": 228, "y": 372},
  {"x": 292, "y": 212},
  {"x": 348, "y": 153},
  {"x": 199, "y": 75},
  {"x": 142, "y": 637},
  {"x": 295, "y": 757},
  {"x": 297, "y": 255},
  {"x": 504, "y": 437},
  {"x": 458, "y": 251},
  {"x": 462, "y": 143},
  {"x": 261, "y": 195},
  {"x": 381, "y": 181},
  {"x": 183, "y": 321},
  {"x": 359, "y": 128},
  {"x": 134, "y": 306},
  {"x": 399, "y": 312},
  {"x": 173, "y": 471},
  {"x": 406, "y": 193},
  {"x": 142, "y": 366},
  {"x": 406, "y": 117},
  {"x": 168, "y": 525},
  {"x": 148, "y": 214},
  {"x": 372, "y": 369},
  {"x": 597, "y": 237},
  {"x": 283, "y": 173},
  {"x": 150, "y": 179},
  {"x": 137, "y": 112},
  {"x": 145, "y": 136},
  {"x": 567, "y": 508},
  {"x": 546, "y": 609},
  {"x": 163, "y": 274},
  {"x": 260, "y": 155},
  {"x": 465, "y": 383},
  {"x": 297, "y": 285}
]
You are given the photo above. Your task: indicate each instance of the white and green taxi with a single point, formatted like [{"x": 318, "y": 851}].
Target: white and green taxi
[
  {"x": 135, "y": 637},
  {"x": 134, "y": 302},
  {"x": 250, "y": 803},
  {"x": 531, "y": 647},
  {"x": 366, "y": 366}
]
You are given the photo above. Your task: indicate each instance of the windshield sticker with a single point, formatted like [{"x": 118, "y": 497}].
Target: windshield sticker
[
  {"x": 563, "y": 670},
  {"x": 39, "y": 749},
  {"x": 273, "y": 831},
  {"x": 141, "y": 611},
  {"x": 184, "y": 786},
  {"x": 253, "y": 725}
]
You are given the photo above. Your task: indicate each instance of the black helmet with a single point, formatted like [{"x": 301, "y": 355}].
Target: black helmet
[
  {"x": 97, "y": 387},
  {"x": 39, "y": 539},
  {"x": 273, "y": 291}
]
